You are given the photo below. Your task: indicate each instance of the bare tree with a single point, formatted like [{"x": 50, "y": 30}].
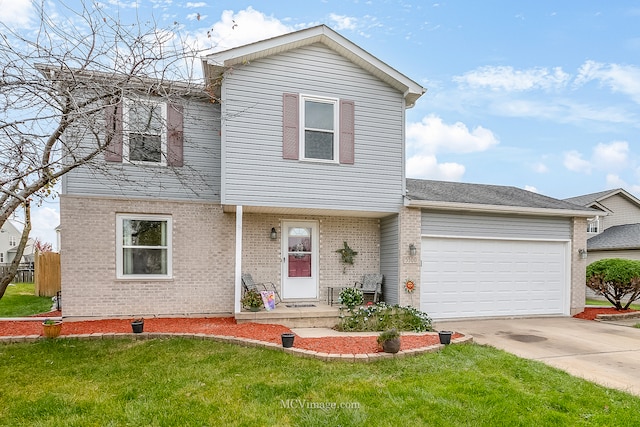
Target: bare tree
[{"x": 57, "y": 82}]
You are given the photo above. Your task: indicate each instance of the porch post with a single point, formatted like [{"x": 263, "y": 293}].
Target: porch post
[{"x": 238, "y": 272}]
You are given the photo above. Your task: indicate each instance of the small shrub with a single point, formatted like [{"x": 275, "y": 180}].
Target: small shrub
[
  {"x": 351, "y": 297},
  {"x": 615, "y": 279},
  {"x": 388, "y": 335},
  {"x": 380, "y": 317},
  {"x": 252, "y": 299}
]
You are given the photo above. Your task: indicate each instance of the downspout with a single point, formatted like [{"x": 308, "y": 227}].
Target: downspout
[{"x": 238, "y": 263}]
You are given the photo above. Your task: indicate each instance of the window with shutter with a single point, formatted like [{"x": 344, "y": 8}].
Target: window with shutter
[
  {"x": 318, "y": 129},
  {"x": 145, "y": 132}
]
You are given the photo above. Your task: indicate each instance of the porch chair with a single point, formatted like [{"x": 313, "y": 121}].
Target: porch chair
[
  {"x": 371, "y": 284},
  {"x": 248, "y": 284}
]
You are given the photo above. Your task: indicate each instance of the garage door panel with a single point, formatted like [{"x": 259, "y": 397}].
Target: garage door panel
[{"x": 479, "y": 278}]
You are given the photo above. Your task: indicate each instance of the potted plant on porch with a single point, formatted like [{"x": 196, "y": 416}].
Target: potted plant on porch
[{"x": 252, "y": 300}]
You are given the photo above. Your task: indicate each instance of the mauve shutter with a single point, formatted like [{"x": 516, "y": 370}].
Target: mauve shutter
[
  {"x": 290, "y": 124},
  {"x": 347, "y": 111},
  {"x": 175, "y": 135},
  {"x": 113, "y": 119}
]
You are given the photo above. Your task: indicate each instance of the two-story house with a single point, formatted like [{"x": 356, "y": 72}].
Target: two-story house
[
  {"x": 304, "y": 151},
  {"x": 614, "y": 230},
  {"x": 10, "y": 236}
]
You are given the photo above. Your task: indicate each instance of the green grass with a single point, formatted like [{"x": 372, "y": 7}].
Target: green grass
[
  {"x": 182, "y": 382},
  {"x": 19, "y": 300},
  {"x": 589, "y": 301}
]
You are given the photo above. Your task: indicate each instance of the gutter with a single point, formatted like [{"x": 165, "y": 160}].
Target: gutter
[{"x": 474, "y": 207}]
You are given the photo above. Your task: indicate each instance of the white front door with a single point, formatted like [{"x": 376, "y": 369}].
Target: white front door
[{"x": 300, "y": 256}]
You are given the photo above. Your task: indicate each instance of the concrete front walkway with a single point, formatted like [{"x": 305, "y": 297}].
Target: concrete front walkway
[{"x": 607, "y": 354}]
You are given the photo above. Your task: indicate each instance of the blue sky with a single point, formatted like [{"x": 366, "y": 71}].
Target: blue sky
[{"x": 539, "y": 95}]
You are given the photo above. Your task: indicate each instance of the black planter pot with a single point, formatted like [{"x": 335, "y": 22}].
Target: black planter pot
[
  {"x": 287, "y": 340},
  {"x": 137, "y": 326},
  {"x": 391, "y": 346},
  {"x": 445, "y": 337}
]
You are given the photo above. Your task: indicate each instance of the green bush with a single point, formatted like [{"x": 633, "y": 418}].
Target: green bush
[
  {"x": 380, "y": 317},
  {"x": 615, "y": 279},
  {"x": 350, "y": 297}
]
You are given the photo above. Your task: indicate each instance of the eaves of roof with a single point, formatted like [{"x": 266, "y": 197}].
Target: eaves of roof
[{"x": 217, "y": 62}]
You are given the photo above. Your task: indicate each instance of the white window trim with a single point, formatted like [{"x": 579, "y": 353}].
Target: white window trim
[
  {"x": 12, "y": 241},
  {"x": 596, "y": 224},
  {"x": 119, "y": 247},
  {"x": 336, "y": 127},
  {"x": 125, "y": 131}
]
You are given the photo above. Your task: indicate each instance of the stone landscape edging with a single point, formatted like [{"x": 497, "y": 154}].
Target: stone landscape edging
[{"x": 247, "y": 342}]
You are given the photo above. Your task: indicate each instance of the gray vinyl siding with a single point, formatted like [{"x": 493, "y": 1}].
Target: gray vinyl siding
[
  {"x": 198, "y": 179},
  {"x": 495, "y": 226},
  {"x": 389, "y": 258},
  {"x": 254, "y": 171}
]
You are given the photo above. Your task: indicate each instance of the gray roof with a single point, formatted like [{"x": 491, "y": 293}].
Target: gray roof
[
  {"x": 617, "y": 237},
  {"x": 482, "y": 194},
  {"x": 589, "y": 199}
]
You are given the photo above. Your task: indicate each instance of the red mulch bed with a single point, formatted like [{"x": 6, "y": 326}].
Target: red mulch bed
[
  {"x": 591, "y": 313},
  {"x": 226, "y": 326}
]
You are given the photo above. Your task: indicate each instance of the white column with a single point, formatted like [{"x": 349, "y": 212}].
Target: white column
[{"x": 238, "y": 272}]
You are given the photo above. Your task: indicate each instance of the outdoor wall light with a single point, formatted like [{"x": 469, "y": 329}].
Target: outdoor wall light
[
  {"x": 412, "y": 249},
  {"x": 583, "y": 253},
  {"x": 274, "y": 234}
]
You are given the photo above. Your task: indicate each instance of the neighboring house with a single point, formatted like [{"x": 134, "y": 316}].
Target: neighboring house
[
  {"x": 307, "y": 141},
  {"x": 10, "y": 235},
  {"x": 614, "y": 232}
]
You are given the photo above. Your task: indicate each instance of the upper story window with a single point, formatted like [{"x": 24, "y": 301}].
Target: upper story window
[
  {"x": 12, "y": 241},
  {"x": 144, "y": 131},
  {"x": 593, "y": 226},
  {"x": 319, "y": 123},
  {"x": 147, "y": 132},
  {"x": 318, "y": 128},
  {"x": 1, "y": 257},
  {"x": 144, "y": 248}
]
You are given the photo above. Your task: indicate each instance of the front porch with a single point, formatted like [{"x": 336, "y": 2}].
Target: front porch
[{"x": 295, "y": 315}]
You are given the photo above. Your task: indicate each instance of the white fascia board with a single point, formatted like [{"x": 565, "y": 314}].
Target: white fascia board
[
  {"x": 471, "y": 207},
  {"x": 319, "y": 34}
]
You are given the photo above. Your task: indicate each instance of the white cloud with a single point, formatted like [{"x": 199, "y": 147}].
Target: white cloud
[
  {"x": 540, "y": 168},
  {"x": 612, "y": 155},
  {"x": 619, "y": 78},
  {"x": 574, "y": 162},
  {"x": 604, "y": 157},
  {"x": 342, "y": 22},
  {"x": 531, "y": 188},
  {"x": 614, "y": 181},
  {"x": 243, "y": 27},
  {"x": 427, "y": 167},
  {"x": 16, "y": 13},
  {"x": 194, "y": 5},
  {"x": 508, "y": 79},
  {"x": 432, "y": 135}
]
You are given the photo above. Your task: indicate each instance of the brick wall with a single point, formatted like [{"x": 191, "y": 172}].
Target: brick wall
[
  {"x": 578, "y": 266},
  {"x": 410, "y": 233},
  {"x": 262, "y": 257},
  {"x": 203, "y": 259}
]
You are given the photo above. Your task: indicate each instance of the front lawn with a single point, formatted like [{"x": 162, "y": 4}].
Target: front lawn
[
  {"x": 591, "y": 302},
  {"x": 19, "y": 300},
  {"x": 183, "y": 382}
]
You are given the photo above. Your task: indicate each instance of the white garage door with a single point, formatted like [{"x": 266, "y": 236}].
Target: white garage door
[{"x": 481, "y": 278}]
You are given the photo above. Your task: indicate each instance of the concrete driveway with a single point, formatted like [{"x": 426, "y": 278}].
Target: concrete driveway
[{"x": 605, "y": 353}]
